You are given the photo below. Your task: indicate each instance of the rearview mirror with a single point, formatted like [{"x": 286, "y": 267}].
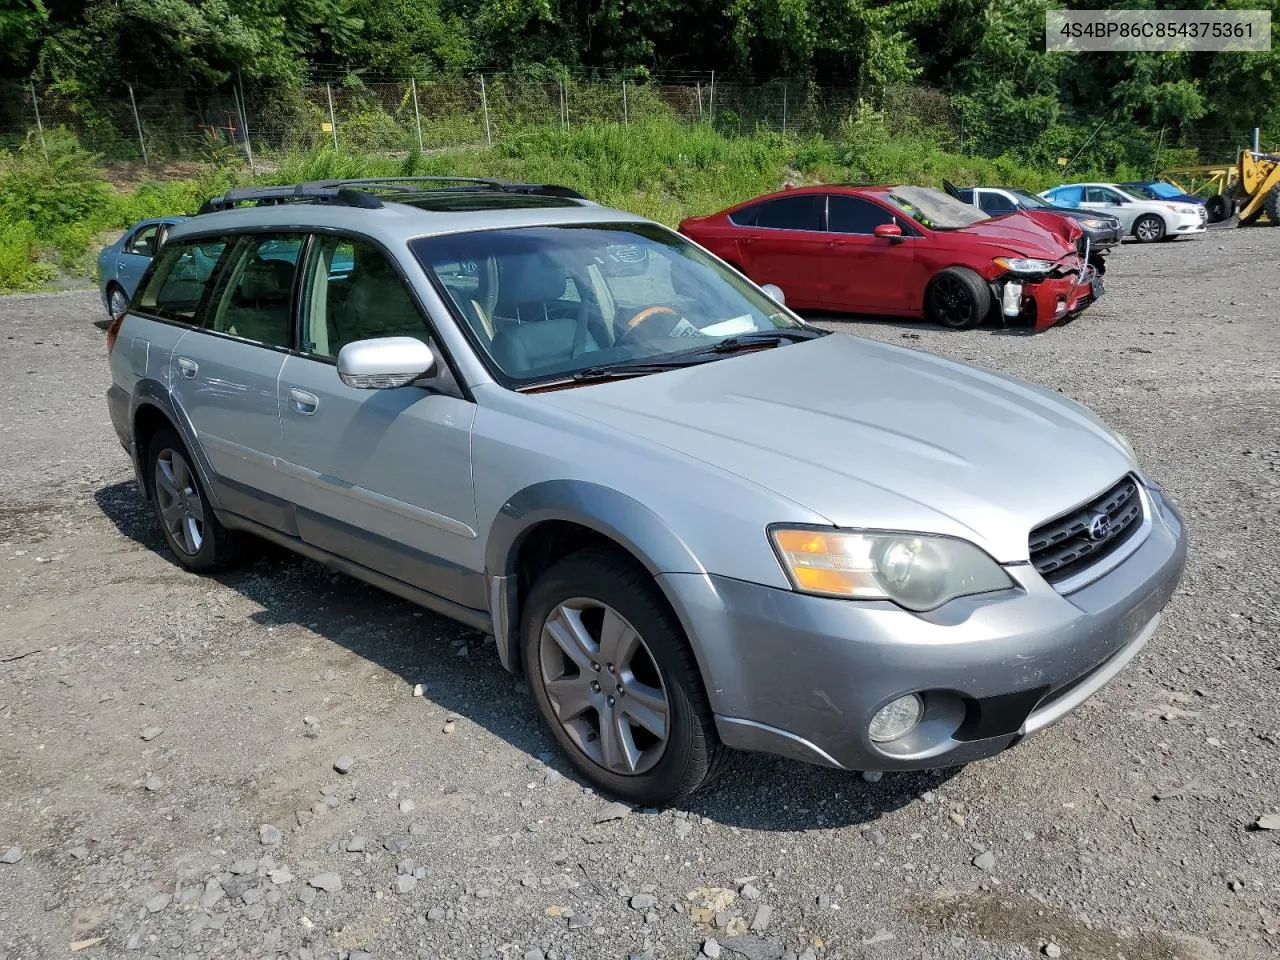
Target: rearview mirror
[
  {"x": 888, "y": 231},
  {"x": 775, "y": 293},
  {"x": 385, "y": 363}
]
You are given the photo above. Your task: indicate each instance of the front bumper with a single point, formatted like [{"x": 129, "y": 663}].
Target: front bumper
[
  {"x": 801, "y": 676},
  {"x": 1182, "y": 224},
  {"x": 1049, "y": 301},
  {"x": 1105, "y": 239}
]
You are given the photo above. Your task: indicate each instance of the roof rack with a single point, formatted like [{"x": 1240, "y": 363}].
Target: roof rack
[
  {"x": 362, "y": 192},
  {"x": 418, "y": 184},
  {"x": 301, "y": 193}
]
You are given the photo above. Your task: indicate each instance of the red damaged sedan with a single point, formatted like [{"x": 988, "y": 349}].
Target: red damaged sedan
[{"x": 905, "y": 251}]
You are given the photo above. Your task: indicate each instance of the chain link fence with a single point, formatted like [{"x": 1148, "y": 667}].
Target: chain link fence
[{"x": 164, "y": 125}]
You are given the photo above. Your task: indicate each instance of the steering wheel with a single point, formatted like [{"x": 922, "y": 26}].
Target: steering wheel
[{"x": 644, "y": 318}]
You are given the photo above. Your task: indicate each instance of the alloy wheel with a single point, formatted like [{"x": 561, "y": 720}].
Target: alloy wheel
[
  {"x": 604, "y": 686},
  {"x": 119, "y": 302},
  {"x": 951, "y": 301},
  {"x": 1149, "y": 229},
  {"x": 181, "y": 506}
]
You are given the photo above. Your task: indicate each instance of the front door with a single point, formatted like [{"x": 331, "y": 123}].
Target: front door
[
  {"x": 865, "y": 273},
  {"x": 1110, "y": 202},
  {"x": 225, "y": 373},
  {"x": 381, "y": 477},
  {"x": 135, "y": 256}
]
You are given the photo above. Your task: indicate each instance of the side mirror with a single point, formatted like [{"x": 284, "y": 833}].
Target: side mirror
[
  {"x": 775, "y": 293},
  {"x": 385, "y": 363},
  {"x": 888, "y": 231}
]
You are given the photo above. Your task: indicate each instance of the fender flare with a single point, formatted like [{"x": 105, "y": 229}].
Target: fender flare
[
  {"x": 632, "y": 525},
  {"x": 153, "y": 393}
]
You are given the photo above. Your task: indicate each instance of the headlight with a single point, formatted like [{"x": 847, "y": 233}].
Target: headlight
[
  {"x": 1095, "y": 224},
  {"x": 1023, "y": 265},
  {"x": 1185, "y": 208},
  {"x": 916, "y": 571}
]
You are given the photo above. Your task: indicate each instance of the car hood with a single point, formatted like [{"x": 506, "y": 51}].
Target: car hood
[
  {"x": 1019, "y": 235},
  {"x": 870, "y": 435}
]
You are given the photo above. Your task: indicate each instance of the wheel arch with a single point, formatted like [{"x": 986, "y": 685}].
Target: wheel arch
[
  {"x": 547, "y": 521},
  {"x": 153, "y": 411}
]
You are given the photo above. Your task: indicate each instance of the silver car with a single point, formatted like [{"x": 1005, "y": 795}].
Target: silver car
[{"x": 693, "y": 521}]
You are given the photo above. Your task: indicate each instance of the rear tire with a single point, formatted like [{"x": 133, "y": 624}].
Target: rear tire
[
  {"x": 596, "y": 622},
  {"x": 117, "y": 300},
  {"x": 200, "y": 543},
  {"x": 1271, "y": 206},
  {"x": 1148, "y": 228},
  {"x": 957, "y": 298}
]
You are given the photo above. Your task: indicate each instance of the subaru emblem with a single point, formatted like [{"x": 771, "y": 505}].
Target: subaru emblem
[{"x": 1099, "y": 527}]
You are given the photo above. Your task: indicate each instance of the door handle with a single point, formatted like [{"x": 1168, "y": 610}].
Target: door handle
[
  {"x": 187, "y": 368},
  {"x": 305, "y": 403}
]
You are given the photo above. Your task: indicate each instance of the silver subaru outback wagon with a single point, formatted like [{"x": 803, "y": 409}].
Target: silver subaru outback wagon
[{"x": 694, "y": 521}]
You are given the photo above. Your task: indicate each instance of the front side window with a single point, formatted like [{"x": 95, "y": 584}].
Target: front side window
[
  {"x": 1067, "y": 196},
  {"x": 1030, "y": 200},
  {"x": 1100, "y": 195},
  {"x": 178, "y": 279},
  {"x": 995, "y": 203},
  {"x": 255, "y": 289},
  {"x": 350, "y": 292},
  {"x": 855, "y": 215},
  {"x": 546, "y": 302}
]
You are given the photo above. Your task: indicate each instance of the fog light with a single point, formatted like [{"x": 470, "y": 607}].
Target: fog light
[
  {"x": 896, "y": 719},
  {"x": 1011, "y": 299}
]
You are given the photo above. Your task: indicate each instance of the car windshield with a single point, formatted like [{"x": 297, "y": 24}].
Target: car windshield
[
  {"x": 1030, "y": 199},
  {"x": 933, "y": 208},
  {"x": 547, "y": 303}
]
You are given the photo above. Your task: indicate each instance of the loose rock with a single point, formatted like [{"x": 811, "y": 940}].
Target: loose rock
[
  {"x": 158, "y": 902},
  {"x": 643, "y": 901},
  {"x": 328, "y": 882},
  {"x": 761, "y": 921},
  {"x": 1051, "y": 950},
  {"x": 405, "y": 883},
  {"x": 1268, "y": 821},
  {"x": 872, "y": 776},
  {"x": 407, "y": 806},
  {"x": 268, "y": 835},
  {"x": 355, "y": 845},
  {"x": 612, "y": 811},
  {"x": 711, "y": 948},
  {"x": 344, "y": 764},
  {"x": 985, "y": 860},
  {"x": 12, "y": 855},
  {"x": 153, "y": 784},
  {"x": 150, "y": 733}
]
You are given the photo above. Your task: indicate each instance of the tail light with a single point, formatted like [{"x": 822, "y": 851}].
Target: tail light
[{"x": 113, "y": 331}]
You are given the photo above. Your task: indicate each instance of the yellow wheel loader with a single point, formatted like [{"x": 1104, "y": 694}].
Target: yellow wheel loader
[{"x": 1250, "y": 187}]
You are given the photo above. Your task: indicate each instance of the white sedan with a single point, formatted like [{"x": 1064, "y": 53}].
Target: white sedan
[{"x": 1146, "y": 220}]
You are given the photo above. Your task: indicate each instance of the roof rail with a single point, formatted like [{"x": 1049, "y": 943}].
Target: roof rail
[
  {"x": 300, "y": 193},
  {"x": 416, "y": 184}
]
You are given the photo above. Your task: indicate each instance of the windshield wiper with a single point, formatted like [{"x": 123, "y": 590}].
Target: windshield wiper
[
  {"x": 636, "y": 369},
  {"x": 747, "y": 341}
]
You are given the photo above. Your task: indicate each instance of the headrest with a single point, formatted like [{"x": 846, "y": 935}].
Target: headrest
[
  {"x": 266, "y": 280},
  {"x": 530, "y": 278}
]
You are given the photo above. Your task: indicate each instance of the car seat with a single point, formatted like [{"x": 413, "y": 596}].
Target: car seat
[
  {"x": 528, "y": 285},
  {"x": 260, "y": 302}
]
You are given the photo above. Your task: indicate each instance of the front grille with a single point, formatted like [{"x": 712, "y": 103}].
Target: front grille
[{"x": 1076, "y": 540}]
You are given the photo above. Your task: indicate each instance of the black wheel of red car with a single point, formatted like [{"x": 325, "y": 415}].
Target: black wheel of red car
[
  {"x": 957, "y": 298},
  {"x": 1219, "y": 208},
  {"x": 1148, "y": 228}
]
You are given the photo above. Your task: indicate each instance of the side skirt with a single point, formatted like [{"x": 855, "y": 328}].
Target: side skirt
[{"x": 475, "y": 619}]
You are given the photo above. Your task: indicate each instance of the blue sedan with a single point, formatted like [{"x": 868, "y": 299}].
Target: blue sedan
[{"x": 121, "y": 265}]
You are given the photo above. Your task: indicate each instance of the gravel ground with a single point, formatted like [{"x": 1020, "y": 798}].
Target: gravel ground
[{"x": 168, "y": 743}]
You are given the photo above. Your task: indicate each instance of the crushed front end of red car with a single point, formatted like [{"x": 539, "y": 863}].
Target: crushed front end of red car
[{"x": 1041, "y": 298}]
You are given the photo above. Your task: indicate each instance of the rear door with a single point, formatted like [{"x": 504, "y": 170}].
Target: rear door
[
  {"x": 225, "y": 373},
  {"x": 864, "y": 273},
  {"x": 382, "y": 477},
  {"x": 782, "y": 243},
  {"x": 1108, "y": 201}
]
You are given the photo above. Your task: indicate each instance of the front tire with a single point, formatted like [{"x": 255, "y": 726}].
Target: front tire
[
  {"x": 615, "y": 680},
  {"x": 1271, "y": 205},
  {"x": 1148, "y": 228},
  {"x": 957, "y": 298},
  {"x": 197, "y": 539}
]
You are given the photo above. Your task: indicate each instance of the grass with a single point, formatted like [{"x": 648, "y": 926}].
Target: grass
[{"x": 54, "y": 207}]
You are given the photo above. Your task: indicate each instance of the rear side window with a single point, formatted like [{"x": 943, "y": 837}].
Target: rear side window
[
  {"x": 254, "y": 297},
  {"x": 1100, "y": 195},
  {"x": 179, "y": 278},
  {"x": 785, "y": 213},
  {"x": 1067, "y": 196},
  {"x": 144, "y": 242}
]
